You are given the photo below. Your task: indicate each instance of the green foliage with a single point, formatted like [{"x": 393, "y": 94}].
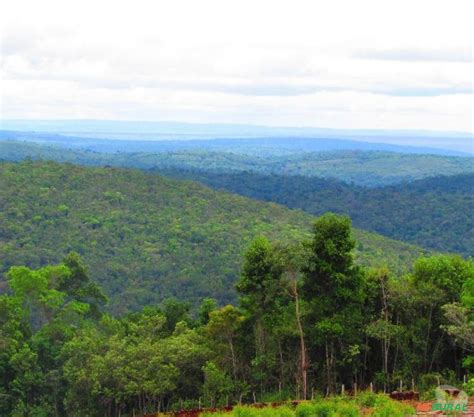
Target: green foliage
[
  {"x": 327, "y": 408},
  {"x": 307, "y": 311},
  {"x": 469, "y": 387},
  {"x": 260, "y": 279},
  {"x": 58, "y": 359},
  {"x": 369, "y": 168},
  {"x": 243, "y": 411},
  {"x": 448, "y": 273},
  {"x": 217, "y": 384},
  {"x": 162, "y": 238},
  {"x": 208, "y": 305},
  {"x": 434, "y": 212},
  {"x": 385, "y": 407},
  {"x": 467, "y": 296},
  {"x": 367, "y": 399},
  {"x": 39, "y": 317},
  {"x": 334, "y": 288},
  {"x": 378, "y": 190}
]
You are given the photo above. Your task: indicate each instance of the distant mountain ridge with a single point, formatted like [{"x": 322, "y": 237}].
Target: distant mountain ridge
[
  {"x": 240, "y": 145},
  {"x": 135, "y": 130},
  {"x": 369, "y": 168}
]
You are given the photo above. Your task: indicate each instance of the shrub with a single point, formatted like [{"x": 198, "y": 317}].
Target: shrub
[
  {"x": 327, "y": 408},
  {"x": 385, "y": 407},
  {"x": 367, "y": 398},
  {"x": 244, "y": 411},
  {"x": 469, "y": 387},
  {"x": 346, "y": 410}
]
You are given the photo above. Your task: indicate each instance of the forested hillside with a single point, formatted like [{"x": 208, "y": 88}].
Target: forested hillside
[
  {"x": 308, "y": 321},
  {"x": 368, "y": 168},
  {"x": 146, "y": 237},
  {"x": 435, "y": 213}
]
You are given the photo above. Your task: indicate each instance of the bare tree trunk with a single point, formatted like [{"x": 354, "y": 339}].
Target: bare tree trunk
[
  {"x": 435, "y": 351},
  {"x": 397, "y": 349},
  {"x": 328, "y": 366},
  {"x": 281, "y": 365},
  {"x": 234, "y": 362},
  {"x": 303, "y": 364},
  {"x": 386, "y": 339},
  {"x": 364, "y": 374},
  {"x": 425, "y": 354}
]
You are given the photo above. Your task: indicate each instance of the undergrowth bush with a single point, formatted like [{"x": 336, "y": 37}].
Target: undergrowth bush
[
  {"x": 381, "y": 405},
  {"x": 367, "y": 399},
  {"x": 248, "y": 411},
  {"x": 469, "y": 387},
  {"x": 327, "y": 408},
  {"x": 385, "y": 407}
]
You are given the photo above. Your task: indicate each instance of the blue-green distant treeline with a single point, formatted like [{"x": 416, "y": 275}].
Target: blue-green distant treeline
[{"x": 368, "y": 168}]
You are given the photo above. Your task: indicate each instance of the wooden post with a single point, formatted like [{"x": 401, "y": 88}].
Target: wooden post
[
  {"x": 413, "y": 384},
  {"x": 312, "y": 393},
  {"x": 371, "y": 387},
  {"x": 355, "y": 389},
  {"x": 327, "y": 392},
  {"x": 199, "y": 403},
  {"x": 464, "y": 378},
  {"x": 401, "y": 385},
  {"x": 438, "y": 381},
  {"x": 254, "y": 398},
  {"x": 342, "y": 389}
]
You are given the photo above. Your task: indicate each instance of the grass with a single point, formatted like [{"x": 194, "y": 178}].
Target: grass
[{"x": 366, "y": 404}]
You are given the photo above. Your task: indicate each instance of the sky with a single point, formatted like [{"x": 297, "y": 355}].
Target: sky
[{"x": 341, "y": 64}]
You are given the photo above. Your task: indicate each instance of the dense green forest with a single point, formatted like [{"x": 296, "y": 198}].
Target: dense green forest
[
  {"x": 307, "y": 320},
  {"x": 368, "y": 168},
  {"x": 146, "y": 237},
  {"x": 435, "y": 213}
]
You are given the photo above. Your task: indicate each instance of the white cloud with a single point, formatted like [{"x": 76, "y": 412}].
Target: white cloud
[{"x": 384, "y": 64}]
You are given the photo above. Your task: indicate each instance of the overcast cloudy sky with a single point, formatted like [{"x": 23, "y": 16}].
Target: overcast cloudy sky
[{"x": 344, "y": 64}]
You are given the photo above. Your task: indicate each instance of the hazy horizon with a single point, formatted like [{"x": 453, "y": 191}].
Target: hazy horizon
[
  {"x": 461, "y": 142},
  {"x": 348, "y": 65},
  {"x": 39, "y": 123}
]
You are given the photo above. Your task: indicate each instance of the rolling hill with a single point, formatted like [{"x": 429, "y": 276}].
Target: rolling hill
[
  {"x": 436, "y": 213},
  {"x": 146, "y": 237},
  {"x": 367, "y": 168}
]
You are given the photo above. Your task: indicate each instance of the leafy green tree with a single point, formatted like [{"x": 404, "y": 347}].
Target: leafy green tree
[
  {"x": 438, "y": 280},
  {"x": 333, "y": 286},
  {"x": 175, "y": 311},
  {"x": 208, "y": 305},
  {"x": 217, "y": 384},
  {"x": 223, "y": 325},
  {"x": 446, "y": 272},
  {"x": 460, "y": 317},
  {"x": 43, "y": 317},
  {"x": 261, "y": 288},
  {"x": 79, "y": 286}
]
